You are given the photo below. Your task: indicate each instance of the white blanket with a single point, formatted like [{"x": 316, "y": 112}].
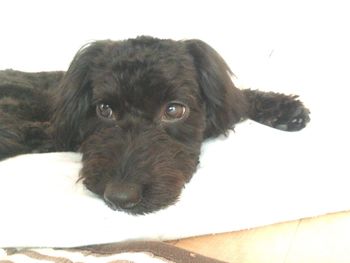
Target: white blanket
[{"x": 256, "y": 176}]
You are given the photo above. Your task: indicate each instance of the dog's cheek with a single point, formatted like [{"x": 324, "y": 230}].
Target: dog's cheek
[
  {"x": 93, "y": 185},
  {"x": 99, "y": 163},
  {"x": 89, "y": 177},
  {"x": 188, "y": 132},
  {"x": 95, "y": 175},
  {"x": 168, "y": 179},
  {"x": 163, "y": 191}
]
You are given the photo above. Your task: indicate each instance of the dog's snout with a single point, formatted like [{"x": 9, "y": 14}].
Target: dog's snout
[{"x": 122, "y": 195}]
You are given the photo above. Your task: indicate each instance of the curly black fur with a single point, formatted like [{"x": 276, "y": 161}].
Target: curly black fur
[{"x": 112, "y": 106}]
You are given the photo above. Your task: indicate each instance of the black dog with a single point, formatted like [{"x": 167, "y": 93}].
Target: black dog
[{"x": 138, "y": 110}]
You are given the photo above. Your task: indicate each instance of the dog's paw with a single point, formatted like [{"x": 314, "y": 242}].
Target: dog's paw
[
  {"x": 292, "y": 115},
  {"x": 280, "y": 111}
]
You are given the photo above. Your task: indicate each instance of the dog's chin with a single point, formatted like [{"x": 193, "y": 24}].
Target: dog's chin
[
  {"x": 142, "y": 208},
  {"x": 151, "y": 201},
  {"x": 145, "y": 206}
]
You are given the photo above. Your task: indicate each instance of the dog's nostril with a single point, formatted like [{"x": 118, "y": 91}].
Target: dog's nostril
[{"x": 122, "y": 195}]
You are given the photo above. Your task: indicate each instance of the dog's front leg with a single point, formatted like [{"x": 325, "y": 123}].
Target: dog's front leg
[{"x": 280, "y": 111}]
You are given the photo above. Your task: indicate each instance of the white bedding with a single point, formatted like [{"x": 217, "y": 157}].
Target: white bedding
[{"x": 254, "y": 177}]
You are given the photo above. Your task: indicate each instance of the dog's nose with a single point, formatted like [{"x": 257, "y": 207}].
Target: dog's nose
[{"x": 122, "y": 195}]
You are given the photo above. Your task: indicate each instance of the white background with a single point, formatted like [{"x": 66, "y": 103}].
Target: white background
[{"x": 292, "y": 46}]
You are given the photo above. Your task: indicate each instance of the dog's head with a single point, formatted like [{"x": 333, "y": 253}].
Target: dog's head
[{"x": 139, "y": 110}]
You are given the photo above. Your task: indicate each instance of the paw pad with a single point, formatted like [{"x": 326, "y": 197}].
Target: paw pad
[{"x": 292, "y": 115}]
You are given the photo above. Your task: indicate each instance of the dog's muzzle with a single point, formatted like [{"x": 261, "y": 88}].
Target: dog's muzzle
[{"x": 122, "y": 195}]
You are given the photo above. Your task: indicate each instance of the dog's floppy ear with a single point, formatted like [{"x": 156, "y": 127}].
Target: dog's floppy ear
[
  {"x": 73, "y": 98},
  {"x": 225, "y": 104}
]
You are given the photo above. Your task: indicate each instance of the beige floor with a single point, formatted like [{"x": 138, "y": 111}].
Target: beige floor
[{"x": 320, "y": 239}]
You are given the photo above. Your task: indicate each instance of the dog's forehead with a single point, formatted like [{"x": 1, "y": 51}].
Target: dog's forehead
[{"x": 146, "y": 74}]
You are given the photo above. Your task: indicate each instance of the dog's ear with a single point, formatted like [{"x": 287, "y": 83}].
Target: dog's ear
[
  {"x": 225, "y": 104},
  {"x": 73, "y": 98}
]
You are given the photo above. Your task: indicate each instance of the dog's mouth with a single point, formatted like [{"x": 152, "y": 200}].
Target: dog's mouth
[
  {"x": 111, "y": 205},
  {"x": 127, "y": 206},
  {"x": 137, "y": 200},
  {"x": 123, "y": 196},
  {"x": 140, "y": 208},
  {"x": 136, "y": 209}
]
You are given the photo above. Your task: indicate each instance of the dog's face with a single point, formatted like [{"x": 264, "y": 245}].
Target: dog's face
[{"x": 138, "y": 110}]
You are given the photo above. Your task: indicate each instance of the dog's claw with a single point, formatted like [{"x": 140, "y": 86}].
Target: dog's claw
[
  {"x": 299, "y": 120},
  {"x": 283, "y": 127}
]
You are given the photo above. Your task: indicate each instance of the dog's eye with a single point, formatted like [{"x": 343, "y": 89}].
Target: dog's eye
[
  {"x": 174, "y": 111},
  {"x": 104, "y": 111}
]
